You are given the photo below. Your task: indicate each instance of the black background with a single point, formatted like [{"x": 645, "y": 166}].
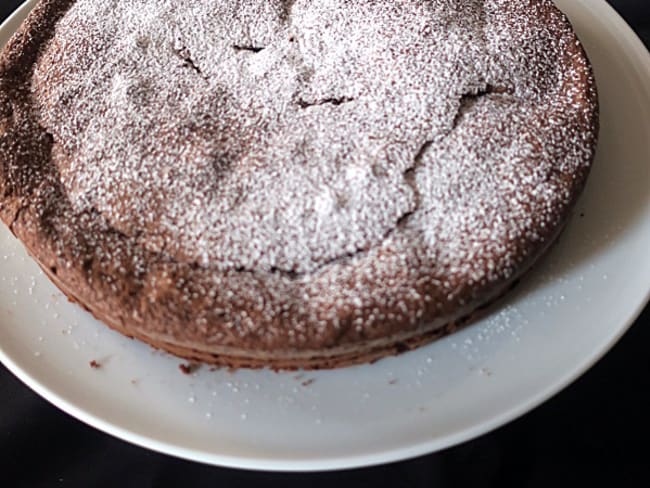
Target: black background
[{"x": 594, "y": 433}]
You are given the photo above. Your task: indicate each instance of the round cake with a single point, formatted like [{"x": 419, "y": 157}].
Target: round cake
[{"x": 291, "y": 184}]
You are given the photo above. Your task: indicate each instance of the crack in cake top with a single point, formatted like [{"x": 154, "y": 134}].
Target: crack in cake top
[{"x": 285, "y": 135}]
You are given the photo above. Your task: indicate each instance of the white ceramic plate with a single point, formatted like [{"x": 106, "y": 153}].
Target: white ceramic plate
[{"x": 566, "y": 314}]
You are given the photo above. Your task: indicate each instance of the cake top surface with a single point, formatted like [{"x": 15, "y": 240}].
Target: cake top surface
[
  {"x": 285, "y": 135},
  {"x": 275, "y": 175}
]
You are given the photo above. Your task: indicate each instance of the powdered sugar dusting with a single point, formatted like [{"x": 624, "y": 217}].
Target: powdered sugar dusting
[
  {"x": 271, "y": 135},
  {"x": 302, "y": 174}
]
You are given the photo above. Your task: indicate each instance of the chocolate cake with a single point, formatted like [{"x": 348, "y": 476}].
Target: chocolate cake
[{"x": 291, "y": 184}]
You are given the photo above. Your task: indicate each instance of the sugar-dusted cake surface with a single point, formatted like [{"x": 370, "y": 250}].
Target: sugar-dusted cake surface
[{"x": 291, "y": 183}]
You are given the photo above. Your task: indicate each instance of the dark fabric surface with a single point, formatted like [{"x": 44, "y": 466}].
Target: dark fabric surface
[{"x": 594, "y": 433}]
